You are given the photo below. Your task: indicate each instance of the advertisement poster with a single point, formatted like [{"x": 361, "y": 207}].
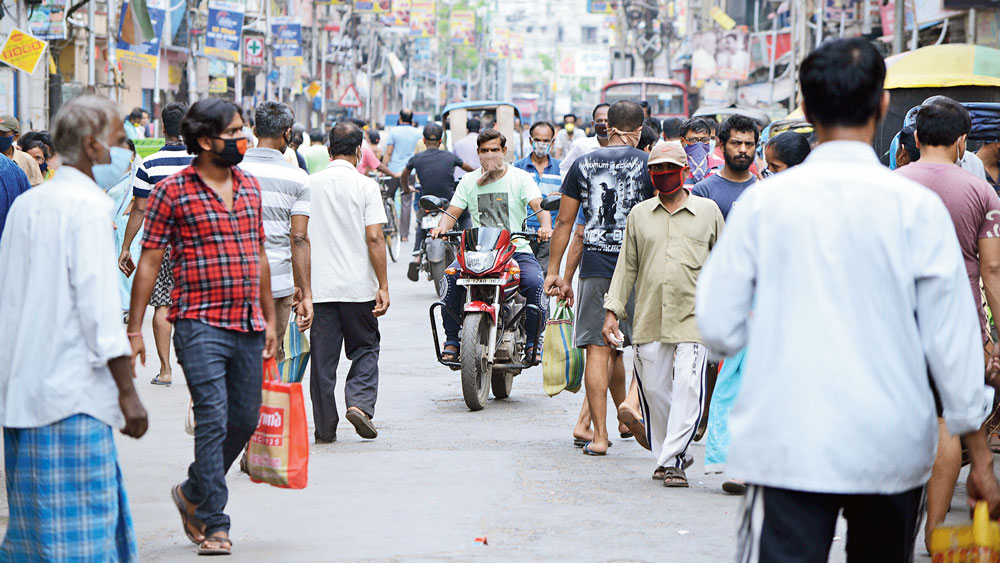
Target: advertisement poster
[
  {"x": 399, "y": 18},
  {"x": 48, "y": 20},
  {"x": 423, "y": 19},
  {"x": 516, "y": 45},
  {"x": 130, "y": 51},
  {"x": 380, "y": 7},
  {"x": 502, "y": 42},
  {"x": 720, "y": 54},
  {"x": 462, "y": 27},
  {"x": 225, "y": 25},
  {"x": 287, "y": 36},
  {"x": 22, "y": 51},
  {"x": 599, "y": 7}
]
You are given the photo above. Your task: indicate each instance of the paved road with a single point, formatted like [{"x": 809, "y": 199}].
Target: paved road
[{"x": 439, "y": 476}]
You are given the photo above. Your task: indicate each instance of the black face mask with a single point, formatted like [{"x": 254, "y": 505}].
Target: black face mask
[{"x": 232, "y": 151}]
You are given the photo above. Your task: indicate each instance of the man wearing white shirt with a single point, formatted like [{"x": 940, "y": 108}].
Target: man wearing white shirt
[
  {"x": 65, "y": 379},
  {"x": 350, "y": 286},
  {"x": 586, "y": 145},
  {"x": 845, "y": 419}
]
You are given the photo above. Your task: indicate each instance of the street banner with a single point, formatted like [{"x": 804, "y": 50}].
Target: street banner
[
  {"x": 48, "y": 20},
  {"x": 286, "y": 33},
  {"x": 253, "y": 50},
  {"x": 379, "y": 7},
  {"x": 22, "y": 51},
  {"x": 423, "y": 19},
  {"x": 462, "y": 27},
  {"x": 502, "y": 40},
  {"x": 516, "y": 45},
  {"x": 599, "y": 7},
  {"x": 720, "y": 54},
  {"x": 225, "y": 25},
  {"x": 132, "y": 51}
]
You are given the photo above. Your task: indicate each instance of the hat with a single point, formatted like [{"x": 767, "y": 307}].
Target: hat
[
  {"x": 9, "y": 124},
  {"x": 670, "y": 152}
]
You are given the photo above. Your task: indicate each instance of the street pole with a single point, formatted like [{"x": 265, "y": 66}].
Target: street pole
[
  {"x": 866, "y": 26},
  {"x": 192, "y": 76},
  {"x": 451, "y": 62},
  {"x": 91, "y": 46},
  {"x": 899, "y": 26},
  {"x": 970, "y": 32},
  {"x": 23, "y": 86},
  {"x": 112, "y": 52},
  {"x": 315, "y": 39},
  {"x": 268, "y": 62}
]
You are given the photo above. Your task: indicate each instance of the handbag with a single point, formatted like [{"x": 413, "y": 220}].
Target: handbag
[
  {"x": 293, "y": 368},
  {"x": 562, "y": 361},
  {"x": 279, "y": 449}
]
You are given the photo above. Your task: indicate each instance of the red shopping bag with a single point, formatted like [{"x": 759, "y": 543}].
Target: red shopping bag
[{"x": 279, "y": 449}]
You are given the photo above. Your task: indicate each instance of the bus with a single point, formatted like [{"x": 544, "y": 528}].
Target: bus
[{"x": 667, "y": 98}]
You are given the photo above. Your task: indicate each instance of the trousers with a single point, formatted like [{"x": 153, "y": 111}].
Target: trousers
[
  {"x": 671, "y": 379},
  {"x": 343, "y": 325}
]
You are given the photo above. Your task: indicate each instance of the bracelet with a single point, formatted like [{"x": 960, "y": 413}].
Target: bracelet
[{"x": 131, "y": 334}]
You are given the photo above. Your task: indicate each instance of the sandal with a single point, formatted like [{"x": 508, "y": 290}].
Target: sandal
[
  {"x": 187, "y": 519},
  {"x": 225, "y": 546},
  {"x": 157, "y": 381},
  {"x": 631, "y": 419},
  {"x": 581, "y": 442},
  {"x": 675, "y": 477},
  {"x": 588, "y": 451},
  {"x": 449, "y": 355}
]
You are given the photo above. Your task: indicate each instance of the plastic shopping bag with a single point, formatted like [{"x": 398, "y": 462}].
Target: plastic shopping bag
[
  {"x": 279, "y": 449},
  {"x": 562, "y": 361},
  {"x": 293, "y": 368}
]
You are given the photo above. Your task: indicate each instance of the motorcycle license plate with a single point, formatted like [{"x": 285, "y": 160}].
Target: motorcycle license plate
[
  {"x": 478, "y": 281},
  {"x": 428, "y": 222}
]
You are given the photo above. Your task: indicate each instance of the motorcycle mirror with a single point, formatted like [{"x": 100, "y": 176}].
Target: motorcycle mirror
[
  {"x": 551, "y": 203},
  {"x": 431, "y": 203}
]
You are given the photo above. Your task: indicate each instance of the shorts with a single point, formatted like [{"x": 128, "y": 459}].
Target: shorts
[
  {"x": 164, "y": 285},
  {"x": 590, "y": 313}
]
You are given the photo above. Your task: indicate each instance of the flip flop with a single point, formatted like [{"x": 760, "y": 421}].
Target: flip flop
[
  {"x": 626, "y": 435},
  {"x": 631, "y": 419},
  {"x": 222, "y": 541},
  {"x": 156, "y": 381},
  {"x": 181, "y": 503},
  {"x": 580, "y": 442},
  {"x": 588, "y": 451}
]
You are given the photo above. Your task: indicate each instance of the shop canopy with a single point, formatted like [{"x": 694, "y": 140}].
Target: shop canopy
[{"x": 943, "y": 66}]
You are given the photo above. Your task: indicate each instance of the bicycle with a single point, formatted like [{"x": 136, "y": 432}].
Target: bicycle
[{"x": 390, "y": 229}]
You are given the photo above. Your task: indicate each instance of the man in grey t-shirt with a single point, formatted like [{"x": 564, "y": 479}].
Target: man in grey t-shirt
[{"x": 739, "y": 136}]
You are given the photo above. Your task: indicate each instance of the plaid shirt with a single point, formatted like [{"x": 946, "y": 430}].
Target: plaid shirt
[{"x": 215, "y": 252}]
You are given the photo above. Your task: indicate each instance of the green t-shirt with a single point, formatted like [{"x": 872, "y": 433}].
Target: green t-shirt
[{"x": 498, "y": 204}]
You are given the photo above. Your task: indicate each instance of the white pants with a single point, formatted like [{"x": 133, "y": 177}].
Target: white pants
[{"x": 671, "y": 380}]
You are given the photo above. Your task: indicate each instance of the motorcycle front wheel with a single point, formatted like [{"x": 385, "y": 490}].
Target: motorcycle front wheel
[
  {"x": 503, "y": 382},
  {"x": 476, "y": 367},
  {"x": 437, "y": 274}
]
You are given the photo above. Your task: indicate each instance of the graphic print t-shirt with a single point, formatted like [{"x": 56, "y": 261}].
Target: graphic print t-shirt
[
  {"x": 498, "y": 204},
  {"x": 608, "y": 183}
]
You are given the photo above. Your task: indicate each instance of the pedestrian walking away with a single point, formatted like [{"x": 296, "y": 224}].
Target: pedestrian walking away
[
  {"x": 223, "y": 313},
  {"x": 466, "y": 147},
  {"x": 350, "y": 286},
  {"x": 401, "y": 145},
  {"x": 64, "y": 391},
  {"x": 812, "y": 243},
  {"x": 667, "y": 240}
]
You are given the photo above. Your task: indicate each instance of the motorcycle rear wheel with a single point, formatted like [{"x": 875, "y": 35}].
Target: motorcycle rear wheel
[{"x": 476, "y": 368}]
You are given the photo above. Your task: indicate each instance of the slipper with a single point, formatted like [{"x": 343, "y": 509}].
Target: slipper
[
  {"x": 630, "y": 418},
  {"x": 588, "y": 451},
  {"x": 675, "y": 478},
  {"x": 734, "y": 487},
  {"x": 413, "y": 272},
  {"x": 156, "y": 381},
  {"x": 580, "y": 442},
  {"x": 225, "y": 546},
  {"x": 626, "y": 435},
  {"x": 181, "y": 503}
]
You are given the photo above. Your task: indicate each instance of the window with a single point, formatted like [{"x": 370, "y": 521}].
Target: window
[{"x": 588, "y": 34}]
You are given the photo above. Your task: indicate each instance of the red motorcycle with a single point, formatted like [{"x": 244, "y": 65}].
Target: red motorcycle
[{"x": 493, "y": 336}]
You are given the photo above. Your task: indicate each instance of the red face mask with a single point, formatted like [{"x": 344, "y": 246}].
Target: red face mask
[{"x": 667, "y": 182}]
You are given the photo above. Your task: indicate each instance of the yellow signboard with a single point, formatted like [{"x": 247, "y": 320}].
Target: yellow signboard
[
  {"x": 22, "y": 51},
  {"x": 218, "y": 85},
  {"x": 722, "y": 18}
]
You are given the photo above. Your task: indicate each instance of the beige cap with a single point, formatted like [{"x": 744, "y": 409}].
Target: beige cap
[{"x": 668, "y": 151}]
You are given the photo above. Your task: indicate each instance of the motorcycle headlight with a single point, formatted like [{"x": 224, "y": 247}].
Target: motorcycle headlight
[{"x": 478, "y": 262}]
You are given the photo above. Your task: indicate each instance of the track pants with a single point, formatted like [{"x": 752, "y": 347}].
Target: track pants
[{"x": 671, "y": 380}]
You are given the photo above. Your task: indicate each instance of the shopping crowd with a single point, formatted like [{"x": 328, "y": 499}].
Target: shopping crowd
[{"x": 785, "y": 296}]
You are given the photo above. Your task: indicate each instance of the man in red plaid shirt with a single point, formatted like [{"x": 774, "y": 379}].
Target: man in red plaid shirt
[{"x": 223, "y": 314}]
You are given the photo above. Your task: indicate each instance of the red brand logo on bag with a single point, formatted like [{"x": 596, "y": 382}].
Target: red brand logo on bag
[{"x": 271, "y": 421}]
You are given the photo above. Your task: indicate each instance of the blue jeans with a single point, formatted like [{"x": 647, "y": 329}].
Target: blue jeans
[
  {"x": 223, "y": 369},
  {"x": 532, "y": 281}
]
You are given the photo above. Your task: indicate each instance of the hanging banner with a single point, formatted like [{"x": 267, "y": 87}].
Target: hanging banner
[
  {"x": 48, "y": 20},
  {"x": 423, "y": 19},
  {"x": 22, "y": 51},
  {"x": 720, "y": 54},
  {"x": 222, "y": 34},
  {"x": 286, "y": 33},
  {"x": 372, "y": 7},
  {"x": 516, "y": 45},
  {"x": 462, "y": 27},
  {"x": 599, "y": 7},
  {"x": 128, "y": 48}
]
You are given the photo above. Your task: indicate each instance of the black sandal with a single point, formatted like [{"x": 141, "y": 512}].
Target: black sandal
[{"x": 449, "y": 355}]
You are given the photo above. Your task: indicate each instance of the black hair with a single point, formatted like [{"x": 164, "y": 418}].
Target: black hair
[
  {"x": 842, "y": 83},
  {"x": 671, "y": 127},
  {"x": 296, "y": 138},
  {"x": 345, "y": 138},
  {"x": 207, "y": 118},
  {"x": 489, "y": 135},
  {"x": 711, "y": 123},
  {"x": 172, "y": 115},
  {"x": 593, "y": 114},
  {"x": 625, "y": 116},
  {"x": 908, "y": 141},
  {"x": 790, "y": 147},
  {"x": 740, "y": 124},
  {"x": 473, "y": 125},
  {"x": 695, "y": 125},
  {"x": 433, "y": 132},
  {"x": 358, "y": 121},
  {"x": 35, "y": 144},
  {"x": 653, "y": 124},
  {"x": 941, "y": 123},
  {"x": 573, "y": 115},
  {"x": 552, "y": 128},
  {"x": 406, "y": 116},
  {"x": 316, "y": 136},
  {"x": 647, "y": 138},
  {"x": 374, "y": 137},
  {"x": 135, "y": 114},
  {"x": 39, "y": 136},
  {"x": 644, "y": 105}
]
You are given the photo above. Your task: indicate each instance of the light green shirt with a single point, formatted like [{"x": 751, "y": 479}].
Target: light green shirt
[
  {"x": 662, "y": 255},
  {"x": 317, "y": 158},
  {"x": 498, "y": 204}
]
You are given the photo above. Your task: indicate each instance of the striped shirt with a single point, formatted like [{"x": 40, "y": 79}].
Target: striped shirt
[
  {"x": 159, "y": 166},
  {"x": 549, "y": 180},
  {"x": 283, "y": 193}
]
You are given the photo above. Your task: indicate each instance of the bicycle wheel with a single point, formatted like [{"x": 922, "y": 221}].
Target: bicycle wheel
[{"x": 391, "y": 231}]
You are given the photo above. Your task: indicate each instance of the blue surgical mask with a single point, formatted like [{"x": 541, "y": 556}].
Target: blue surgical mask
[
  {"x": 43, "y": 167},
  {"x": 107, "y": 175},
  {"x": 6, "y": 142}
]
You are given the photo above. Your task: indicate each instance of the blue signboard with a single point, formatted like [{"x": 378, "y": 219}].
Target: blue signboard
[
  {"x": 222, "y": 35},
  {"x": 128, "y": 50},
  {"x": 286, "y": 33}
]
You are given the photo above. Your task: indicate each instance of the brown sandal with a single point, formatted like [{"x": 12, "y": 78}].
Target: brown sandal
[
  {"x": 187, "y": 519},
  {"x": 224, "y": 543},
  {"x": 675, "y": 477}
]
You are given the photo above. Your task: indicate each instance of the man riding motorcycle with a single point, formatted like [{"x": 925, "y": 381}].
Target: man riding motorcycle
[{"x": 495, "y": 196}]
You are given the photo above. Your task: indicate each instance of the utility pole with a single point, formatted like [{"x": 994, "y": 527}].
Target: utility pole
[
  {"x": 192, "y": 76},
  {"x": 91, "y": 46},
  {"x": 23, "y": 86},
  {"x": 268, "y": 56},
  {"x": 112, "y": 53},
  {"x": 899, "y": 26}
]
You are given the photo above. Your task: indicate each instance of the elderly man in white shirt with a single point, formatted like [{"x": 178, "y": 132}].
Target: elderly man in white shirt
[
  {"x": 859, "y": 292},
  {"x": 65, "y": 378}
]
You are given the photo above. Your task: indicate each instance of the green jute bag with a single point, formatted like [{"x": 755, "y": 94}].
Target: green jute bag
[{"x": 562, "y": 361}]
